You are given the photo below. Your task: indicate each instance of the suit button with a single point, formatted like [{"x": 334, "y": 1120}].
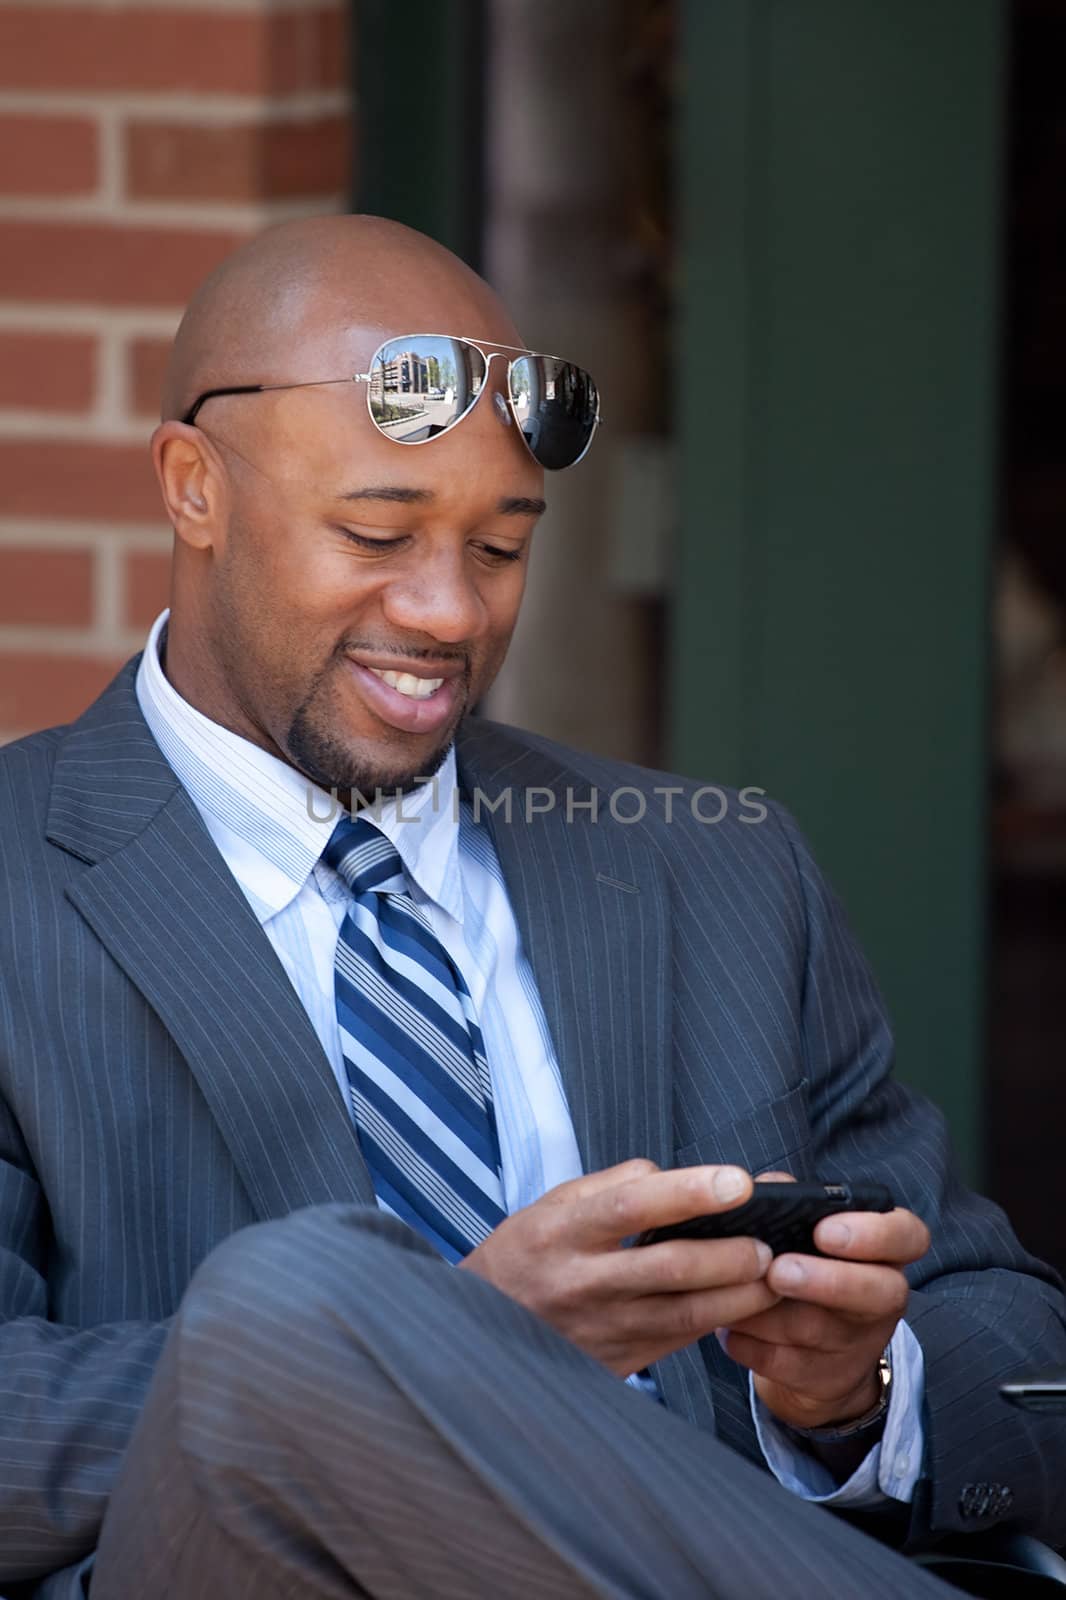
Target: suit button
[{"x": 979, "y": 1500}]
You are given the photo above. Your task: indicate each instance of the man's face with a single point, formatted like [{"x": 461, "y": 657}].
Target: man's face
[{"x": 363, "y": 593}]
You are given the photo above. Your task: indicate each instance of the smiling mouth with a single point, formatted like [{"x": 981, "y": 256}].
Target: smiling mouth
[
  {"x": 410, "y": 701},
  {"x": 407, "y": 683}
]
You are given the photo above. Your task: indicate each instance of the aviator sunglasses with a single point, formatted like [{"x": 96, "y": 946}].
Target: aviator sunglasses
[{"x": 421, "y": 384}]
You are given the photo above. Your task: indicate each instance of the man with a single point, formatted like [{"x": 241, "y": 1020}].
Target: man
[{"x": 323, "y": 1130}]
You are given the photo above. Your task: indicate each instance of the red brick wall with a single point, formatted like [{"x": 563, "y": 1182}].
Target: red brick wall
[{"x": 140, "y": 140}]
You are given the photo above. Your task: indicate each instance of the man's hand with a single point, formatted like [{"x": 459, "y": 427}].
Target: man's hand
[
  {"x": 560, "y": 1257},
  {"x": 815, "y": 1353}
]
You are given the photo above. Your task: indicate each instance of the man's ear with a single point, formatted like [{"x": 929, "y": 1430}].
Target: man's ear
[{"x": 191, "y": 479}]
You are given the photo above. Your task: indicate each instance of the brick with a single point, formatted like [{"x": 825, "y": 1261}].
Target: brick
[
  {"x": 307, "y": 158},
  {"x": 57, "y": 478},
  {"x": 47, "y": 371},
  {"x": 38, "y": 690},
  {"x": 49, "y": 586},
  {"x": 152, "y": 47},
  {"x": 48, "y": 155},
  {"x": 241, "y": 161},
  {"x": 106, "y": 263},
  {"x": 147, "y": 575},
  {"x": 147, "y": 364}
]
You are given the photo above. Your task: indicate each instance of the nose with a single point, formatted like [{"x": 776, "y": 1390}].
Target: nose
[{"x": 437, "y": 599}]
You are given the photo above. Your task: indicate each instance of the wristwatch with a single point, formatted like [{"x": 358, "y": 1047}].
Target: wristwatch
[{"x": 848, "y": 1430}]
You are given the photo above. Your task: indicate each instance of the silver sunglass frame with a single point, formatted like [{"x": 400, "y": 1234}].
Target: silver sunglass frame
[{"x": 488, "y": 355}]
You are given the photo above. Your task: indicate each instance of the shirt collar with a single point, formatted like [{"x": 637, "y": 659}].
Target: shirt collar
[
  {"x": 271, "y": 823},
  {"x": 424, "y": 827}
]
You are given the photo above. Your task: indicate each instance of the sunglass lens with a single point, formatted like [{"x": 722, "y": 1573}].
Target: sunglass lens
[
  {"x": 557, "y": 406},
  {"x": 422, "y": 384}
]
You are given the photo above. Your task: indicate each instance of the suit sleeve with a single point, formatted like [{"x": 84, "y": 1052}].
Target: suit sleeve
[
  {"x": 981, "y": 1307},
  {"x": 69, "y": 1398}
]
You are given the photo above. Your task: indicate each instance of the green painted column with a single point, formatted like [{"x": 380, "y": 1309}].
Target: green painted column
[
  {"x": 419, "y": 75},
  {"x": 839, "y": 189}
]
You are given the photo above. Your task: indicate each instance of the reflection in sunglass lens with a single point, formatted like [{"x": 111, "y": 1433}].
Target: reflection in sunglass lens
[
  {"x": 557, "y": 405},
  {"x": 422, "y": 384}
]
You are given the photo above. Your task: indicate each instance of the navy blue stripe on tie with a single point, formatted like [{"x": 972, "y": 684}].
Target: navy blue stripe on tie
[
  {"x": 422, "y": 1183},
  {"x": 420, "y": 1086},
  {"x": 363, "y": 992},
  {"x": 365, "y": 1041},
  {"x": 460, "y": 1166},
  {"x": 396, "y": 1203},
  {"x": 405, "y": 940},
  {"x": 359, "y": 1012},
  {"x": 360, "y": 968}
]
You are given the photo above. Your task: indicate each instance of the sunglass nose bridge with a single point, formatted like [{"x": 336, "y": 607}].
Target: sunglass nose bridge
[{"x": 488, "y": 356}]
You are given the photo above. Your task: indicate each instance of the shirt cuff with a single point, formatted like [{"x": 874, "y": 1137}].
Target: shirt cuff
[
  {"x": 646, "y": 1384},
  {"x": 890, "y": 1470}
]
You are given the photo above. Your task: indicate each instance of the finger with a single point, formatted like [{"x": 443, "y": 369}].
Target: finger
[
  {"x": 763, "y": 1356},
  {"x": 680, "y": 1266},
  {"x": 775, "y": 1177},
  {"x": 792, "y": 1368},
  {"x": 596, "y": 1182},
  {"x": 853, "y": 1288},
  {"x": 655, "y": 1200},
  {"x": 671, "y": 1321},
  {"x": 897, "y": 1237},
  {"x": 802, "y": 1326}
]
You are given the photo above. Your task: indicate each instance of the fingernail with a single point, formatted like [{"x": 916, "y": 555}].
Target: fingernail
[
  {"x": 790, "y": 1271},
  {"x": 764, "y": 1253},
  {"x": 729, "y": 1183},
  {"x": 836, "y": 1234}
]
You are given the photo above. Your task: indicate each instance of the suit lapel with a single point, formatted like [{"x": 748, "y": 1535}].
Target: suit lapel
[
  {"x": 161, "y": 899},
  {"x": 593, "y": 914}
]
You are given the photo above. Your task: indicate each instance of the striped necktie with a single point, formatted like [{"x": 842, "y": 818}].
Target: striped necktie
[{"x": 415, "y": 1058}]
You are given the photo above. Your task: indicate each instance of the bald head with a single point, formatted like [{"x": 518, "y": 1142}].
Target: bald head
[{"x": 280, "y": 307}]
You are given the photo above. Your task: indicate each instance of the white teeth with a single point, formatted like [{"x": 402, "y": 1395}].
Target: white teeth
[{"x": 408, "y": 684}]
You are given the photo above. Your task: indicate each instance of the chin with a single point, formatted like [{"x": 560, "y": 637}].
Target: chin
[{"x": 366, "y": 765}]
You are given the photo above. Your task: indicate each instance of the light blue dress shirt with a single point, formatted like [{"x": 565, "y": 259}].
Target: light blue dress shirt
[{"x": 270, "y": 826}]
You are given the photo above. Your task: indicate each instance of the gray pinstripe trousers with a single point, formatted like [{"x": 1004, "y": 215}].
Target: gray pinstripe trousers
[{"x": 339, "y": 1413}]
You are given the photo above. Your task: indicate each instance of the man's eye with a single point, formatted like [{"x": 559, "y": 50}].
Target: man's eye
[
  {"x": 497, "y": 553},
  {"x": 365, "y": 542}
]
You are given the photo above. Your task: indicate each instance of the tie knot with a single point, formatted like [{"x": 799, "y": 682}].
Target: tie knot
[{"x": 362, "y": 856}]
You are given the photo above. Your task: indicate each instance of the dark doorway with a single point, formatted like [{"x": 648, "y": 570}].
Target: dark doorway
[{"x": 1027, "y": 991}]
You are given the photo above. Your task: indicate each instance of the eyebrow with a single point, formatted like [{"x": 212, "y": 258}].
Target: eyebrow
[
  {"x": 393, "y": 494},
  {"x": 396, "y": 494},
  {"x": 521, "y": 505}
]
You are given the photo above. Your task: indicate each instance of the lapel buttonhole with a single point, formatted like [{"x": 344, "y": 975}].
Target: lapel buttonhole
[{"x": 616, "y": 883}]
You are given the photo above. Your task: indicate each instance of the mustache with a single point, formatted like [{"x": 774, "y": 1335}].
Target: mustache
[{"x": 405, "y": 652}]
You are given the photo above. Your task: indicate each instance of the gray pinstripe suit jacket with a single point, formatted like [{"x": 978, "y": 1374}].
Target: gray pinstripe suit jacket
[{"x": 161, "y": 1086}]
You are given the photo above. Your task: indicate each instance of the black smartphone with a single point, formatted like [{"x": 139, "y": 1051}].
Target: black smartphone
[
  {"x": 784, "y": 1215},
  {"x": 1037, "y": 1391}
]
